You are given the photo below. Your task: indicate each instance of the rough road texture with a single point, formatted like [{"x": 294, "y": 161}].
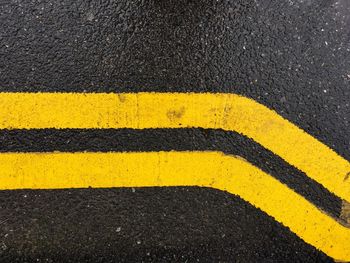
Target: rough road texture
[{"x": 291, "y": 55}]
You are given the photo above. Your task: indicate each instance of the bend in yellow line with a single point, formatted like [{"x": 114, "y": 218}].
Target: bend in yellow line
[
  {"x": 178, "y": 110},
  {"x": 206, "y": 169}
]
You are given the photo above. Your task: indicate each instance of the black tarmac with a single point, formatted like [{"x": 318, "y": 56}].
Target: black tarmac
[{"x": 290, "y": 55}]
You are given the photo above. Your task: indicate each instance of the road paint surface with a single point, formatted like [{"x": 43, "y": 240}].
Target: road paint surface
[
  {"x": 205, "y": 169},
  {"x": 179, "y": 110}
]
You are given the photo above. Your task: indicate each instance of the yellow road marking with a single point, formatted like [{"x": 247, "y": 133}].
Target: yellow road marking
[
  {"x": 176, "y": 110},
  {"x": 207, "y": 169}
]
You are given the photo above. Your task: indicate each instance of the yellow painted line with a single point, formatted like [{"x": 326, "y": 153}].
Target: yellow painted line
[
  {"x": 175, "y": 110},
  {"x": 206, "y": 169}
]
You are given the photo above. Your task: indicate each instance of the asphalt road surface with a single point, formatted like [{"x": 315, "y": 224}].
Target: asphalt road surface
[{"x": 292, "y": 56}]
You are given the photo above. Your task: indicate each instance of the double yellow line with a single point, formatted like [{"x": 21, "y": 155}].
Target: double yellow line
[{"x": 212, "y": 169}]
